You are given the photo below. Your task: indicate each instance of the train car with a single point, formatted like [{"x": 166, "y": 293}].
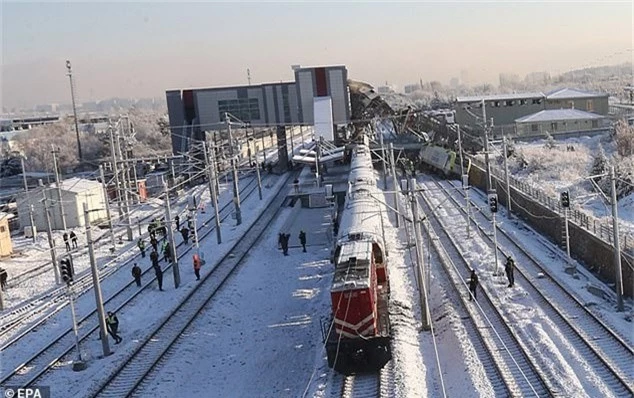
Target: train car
[
  {"x": 359, "y": 337},
  {"x": 443, "y": 160}
]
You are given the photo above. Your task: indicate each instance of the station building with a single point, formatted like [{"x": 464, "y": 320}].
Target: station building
[{"x": 194, "y": 111}]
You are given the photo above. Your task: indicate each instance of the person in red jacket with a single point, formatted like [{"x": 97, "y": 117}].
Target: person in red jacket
[{"x": 197, "y": 264}]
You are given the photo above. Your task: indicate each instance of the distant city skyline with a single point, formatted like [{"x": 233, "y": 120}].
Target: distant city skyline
[{"x": 139, "y": 50}]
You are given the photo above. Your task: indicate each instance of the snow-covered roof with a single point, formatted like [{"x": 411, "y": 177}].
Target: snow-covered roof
[
  {"x": 566, "y": 93},
  {"x": 558, "y": 114},
  {"x": 77, "y": 185},
  {"x": 500, "y": 97}
]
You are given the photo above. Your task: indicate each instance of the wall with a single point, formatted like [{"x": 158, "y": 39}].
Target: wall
[{"x": 595, "y": 254}]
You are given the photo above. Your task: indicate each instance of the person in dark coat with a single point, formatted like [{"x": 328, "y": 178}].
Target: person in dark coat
[
  {"x": 280, "y": 238},
  {"x": 167, "y": 252},
  {"x": 141, "y": 244},
  {"x": 509, "y": 267},
  {"x": 473, "y": 284},
  {"x": 302, "y": 240},
  {"x": 154, "y": 257},
  {"x": 112, "y": 324},
  {"x": 285, "y": 243},
  {"x": 65, "y": 236},
  {"x": 159, "y": 274},
  {"x": 154, "y": 243},
  {"x": 136, "y": 274},
  {"x": 177, "y": 220},
  {"x": 3, "y": 278},
  {"x": 73, "y": 239},
  {"x": 185, "y": 233}
]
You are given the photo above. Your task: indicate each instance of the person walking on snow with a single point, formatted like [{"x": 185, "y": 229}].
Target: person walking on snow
[
  {"x": 154, "y": 243},
  {"x": 509, "y": 268},
  {"x": 177, "y": 220},
  {"x": 185, "y": 233},
  {"x": 154, "y": 257},
  {"x": 159, "y": 274},
  {"x": 73, "y": 239},
  {"x": 65, "y": 236},
  {"x": 112, "y": 324},
  {"x": 473, "y": 284},
  {"x": 285, "y": 243},
  {"x": 141, "y": 245},
  {"x": 136, "y": 274},
  {"x": 167, "y": 252},
  {"x": 302, "y": 240},
  {"x": 197, "y": 264}
]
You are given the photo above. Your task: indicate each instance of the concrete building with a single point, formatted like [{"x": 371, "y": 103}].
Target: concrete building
[
  {"x": 194, "y": 111},
  {"x": 567, "y": 98},
  {"x": 505, "y": 109},
  {"x": 6, "y": 246},
  {"x": 558, "y": 121},
  {"x": 75, "y": 192}
]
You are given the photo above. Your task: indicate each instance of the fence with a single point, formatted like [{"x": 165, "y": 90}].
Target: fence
[{"x": 601, "y": 229}]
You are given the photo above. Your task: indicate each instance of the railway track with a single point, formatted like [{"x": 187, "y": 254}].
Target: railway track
[
  {"x": 518, "y": 374},
  {"x": 50, "y": 303},
  {"x": 156, "y": 345},
  {"x": 30, "y": 371},
  {"x": 609, "y": 355}
]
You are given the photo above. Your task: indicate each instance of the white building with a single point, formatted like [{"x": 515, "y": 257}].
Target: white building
[{"x": 75, "y": 192}]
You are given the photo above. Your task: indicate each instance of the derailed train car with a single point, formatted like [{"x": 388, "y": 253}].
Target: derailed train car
[
  {"x": 443, "y": 160},
  {"x": 359, "y": 336}
]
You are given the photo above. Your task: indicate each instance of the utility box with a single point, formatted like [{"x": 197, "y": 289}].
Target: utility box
[{"x": 30, "y": 231}]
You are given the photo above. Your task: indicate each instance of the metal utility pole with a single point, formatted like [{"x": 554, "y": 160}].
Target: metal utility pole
[
  {"x": 79, "y": 364},
  {"x": 383, "y": 159},
  {"x": 103, "y": 333},
  {"x": 486, "y": 146},
  {"x": 257, "y": 173},
  {"x": 51, "y": 243},
  {"x": 234, "y": 171},
  {"x": 422, "y": 288},
  {"x": 249, "y": 76},
  {"x": 26, "y": 191},
  {"x": 210, "y": 166},
  {"x": 59, "y": 189},
  {"x": 617, "y": 245},
  {"x": 507, "y": 182},
  {"x": 465, "y": 181},
  {"x": 115, "y": 170},
  {"x": 72, "y": 96},
  {"x": 394, "y": 185},
  {"x": 107, "y": 203},
  {"x": 170, "y": 236},
  {"x": 124, "y": 176},
  {"x": 263, "y": 149},
  {"x": 493, "y": 203}
]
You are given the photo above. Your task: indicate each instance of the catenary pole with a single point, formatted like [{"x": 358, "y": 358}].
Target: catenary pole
[
  {"x": 507, "y": 182},
  {"x": 234, "y": 171},
  {"x": 170, "y": 236},
  {"x": 103, "y": 334},
  {"x": 107, "y": 203},
  {"x": 617, "y": 244},
  {"x": 486, "y": 146},
  {"x": 212, "y": 188},
  {"x": 422, "y": 289},
  {"x": 394, "y": 185},
  {"x": 60, "y": 203},
  {"x": 51, "y": 243},
  {"x": 26, "y": 191}
]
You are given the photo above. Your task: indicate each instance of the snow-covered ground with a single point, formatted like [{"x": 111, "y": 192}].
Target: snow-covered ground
[{"x": 261, "y": 336}]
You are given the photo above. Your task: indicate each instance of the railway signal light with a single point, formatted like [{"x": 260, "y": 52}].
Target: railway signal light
[
  {"x": 66, "y": 269},
  {"x": 565, "y": 199},
  {"x": 493, "y": 203}
]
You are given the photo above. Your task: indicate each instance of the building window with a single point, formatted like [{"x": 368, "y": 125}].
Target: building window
[
  {"x": 245, "y": 109},
  {"x": 553, "y": 126},
  {"x": 595, "y": 124},
  {"x": 537, "y": 101},
  {"x": 522, "y": 102},
  {"x": 2, "y": 228},
  {"x": 509, "y": 103},
  {"x": 497, "y": 104},
  {"x": 590, "y": 106},
  {"x": 534, "y": 127}
]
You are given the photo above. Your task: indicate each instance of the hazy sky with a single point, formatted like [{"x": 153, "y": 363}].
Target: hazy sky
[{"x": 141, "y": 49}]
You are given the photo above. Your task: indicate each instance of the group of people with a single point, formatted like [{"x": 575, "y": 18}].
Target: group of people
[
  {"x": 73, "y": 240},
  {"x": 509, "y": 269},
  {"x": 283, "y": 239}
]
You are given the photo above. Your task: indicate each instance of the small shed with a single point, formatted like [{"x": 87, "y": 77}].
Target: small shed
[
  {"x": 557, "y": 121},
  {"x": 6, "y": 246},
  {"x": 74, "y": 193}
]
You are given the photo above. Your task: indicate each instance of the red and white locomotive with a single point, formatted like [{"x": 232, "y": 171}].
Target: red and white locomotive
[{"x": 359, "y": 337}]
